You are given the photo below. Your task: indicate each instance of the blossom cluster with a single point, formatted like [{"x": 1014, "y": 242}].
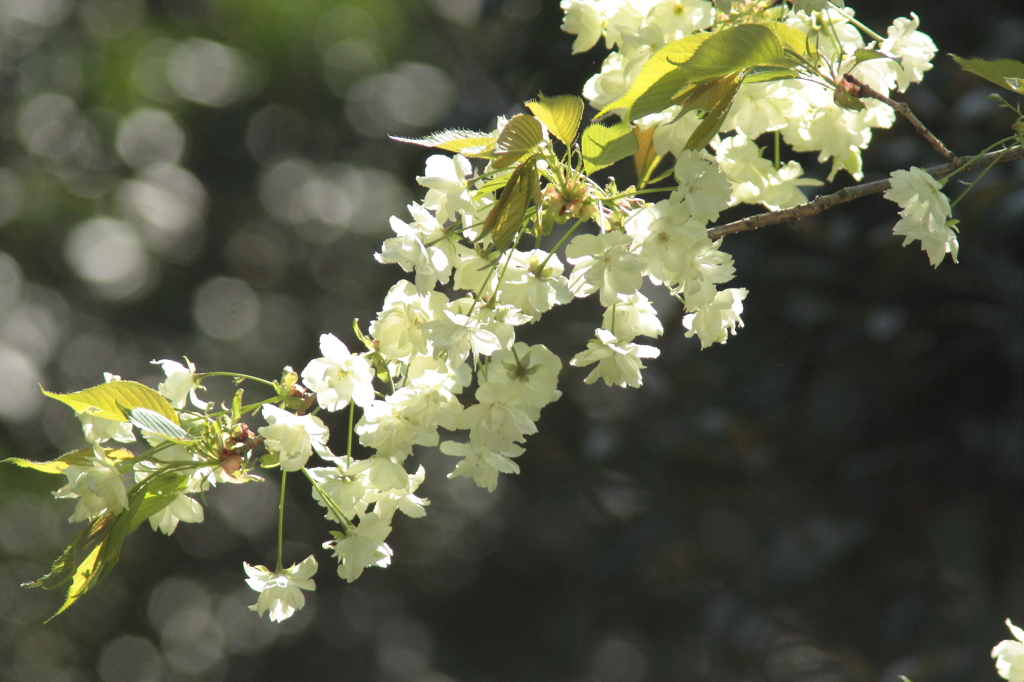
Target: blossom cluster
[
  {"x": 802, "y": 111},
  {"x": 452, "y": 328}
]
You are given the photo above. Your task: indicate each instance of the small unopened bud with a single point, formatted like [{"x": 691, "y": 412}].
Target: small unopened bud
[{"x": 231, "y": 464}]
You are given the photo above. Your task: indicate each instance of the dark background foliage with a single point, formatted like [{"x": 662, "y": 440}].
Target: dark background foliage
[{"x": 833, "y": 495}]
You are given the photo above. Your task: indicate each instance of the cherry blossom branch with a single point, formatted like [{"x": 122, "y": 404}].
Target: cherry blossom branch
[
  {"x": 827, "y": 201},
  {"x": 860, "y": 89}
]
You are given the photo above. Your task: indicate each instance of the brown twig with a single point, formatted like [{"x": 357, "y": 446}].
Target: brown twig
[
  {"x": 827, "y": 201},
  {"x": 860, "y": 89}
]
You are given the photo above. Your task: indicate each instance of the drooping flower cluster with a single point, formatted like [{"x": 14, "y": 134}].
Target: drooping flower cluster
[{"x": 925, "y": 214}]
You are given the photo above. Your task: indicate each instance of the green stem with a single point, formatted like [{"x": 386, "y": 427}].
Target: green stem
[
  {"x": 778, "y": 161},
  {"x": 856, "y": 23},
  {"x": 280, "y": 524},
  {"x": 235, "y": 375},
  {"x": 559, "y": 244},
  {"x": 351, "y": 421},
  {"x": 331, "y": 504},
  {"x": 977, "y": 179},
  {"x": 984, "y": 151}
]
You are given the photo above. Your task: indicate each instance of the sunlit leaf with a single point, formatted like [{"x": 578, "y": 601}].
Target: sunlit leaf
[
  {"x": 763, "y": 74},
  {"x": 729, "y": 51},
  {"x": 494, "y": 182},
  {"x": 148, "y": 420},
  {"x": 815, "y": 5},
  {"x": 520, "y": 136},
  {"x": 106, "y": 400},
  {"x": 792, "y": 38},
  {"x": 861, "y": 56},
  {"x": 648, "y": 83},
  {"x": 843, "y": 98},
  {"x": 561, "y": 115},
  {"x": 152, "y": 495},
  {"x": 713, "y": 120},
  {"x": 732, "y": 50},
  {"x": 707, "y": 95},
  {"x": 646, "y": 156},
  {"x": 466, "y": 142},
  {"x": 506, "y": 217},
  {"x": 55, "y": 466},
  {"x": 602, "y": 146},
  {"x": 1006, "y": 73}
]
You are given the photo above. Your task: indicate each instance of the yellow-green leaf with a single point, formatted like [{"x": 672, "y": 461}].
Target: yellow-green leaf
[
  {"x": 602, "y": 146},
  {"x": 520, "y": 136},
  {"x": 106, "y": 400},
  {"x": 560, "y": 114},
  {"x": 55, "y": 466},
  {"x": 1006, "y": 73},
  {"x": 494, "y": 182},
  {"x": 467, "y": 142},
  {"x": 792, "y": 38},
  {"x": 506, "y": 217},
  {"x": 83, "y": 578},
  {"x": 154, "y": 422},
  {"x": 713, "y": 120},
  {"x": 648, "y": 83},
  {"x": 646, "y": 158},
  {"x": 733, "y": 49}
]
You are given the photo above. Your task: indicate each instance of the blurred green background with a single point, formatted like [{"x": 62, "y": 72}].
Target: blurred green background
[{"x": 835, "y": 495}]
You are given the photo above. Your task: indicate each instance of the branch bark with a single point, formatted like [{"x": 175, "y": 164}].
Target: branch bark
[
  {"x": 827, "y": 201},
  {"x": 863, "y": 90}
]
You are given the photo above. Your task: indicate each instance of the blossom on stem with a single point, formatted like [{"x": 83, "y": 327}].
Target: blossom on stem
[
  {"x": 361, "y": 546},
  {"x": 180, "y": 383},
  {"x": 1009, "y": 655},
  {"x": 445, "y": 178},
  {"x": 480, "y": 463},
  {"x": 97, "y": 486},
  {"x": 181, "y": 508},
  {"x": 281, "y": 593},
  {"x": 292, "y": 437},
  {"x": 339, "y": 376},
  {"x": 925, "y": 215},
  {"x": 603, "y": 263},
  {"x": 618, "y": 362},
  {"x": 99, "y": 429},
  {"x": 717, "y": 320},
  {"x": 410, "y": 250}
]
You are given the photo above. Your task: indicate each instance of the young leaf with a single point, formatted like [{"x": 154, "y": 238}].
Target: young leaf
[
  {"x": 815, "y": 5},
  {"x": 561, "y": 115},
  {"x": 713, "y": 120},
  {"x": 763, "y": 74},
  {"x": 55, "y": 466},
  {"x": 148, "y": 420},
  {"x": 726, "y": 52},
  {"x": 706, "y": 96},
  {"x": 519, "y": 136},
  {"x": 94, "y": 552},
  {"x": 506, "y": 217},
  {"x": 602, "y": 146},
  {"x": 843, "y": 98},
  {"x": 1006, "y": 73},
  {"x": 792, "y": 39},
  {"x": 494, "y": 182},
  {"x": 152, "y": 495},
  {"x": 466, "y": 142},
  {"x": 648, "y": 83},
  {"x": 646, "y": 157},
  {"x": 106, "y": 400},
  {"x": 861, "y": 56},
  {"x": 734, "y": 49}
]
